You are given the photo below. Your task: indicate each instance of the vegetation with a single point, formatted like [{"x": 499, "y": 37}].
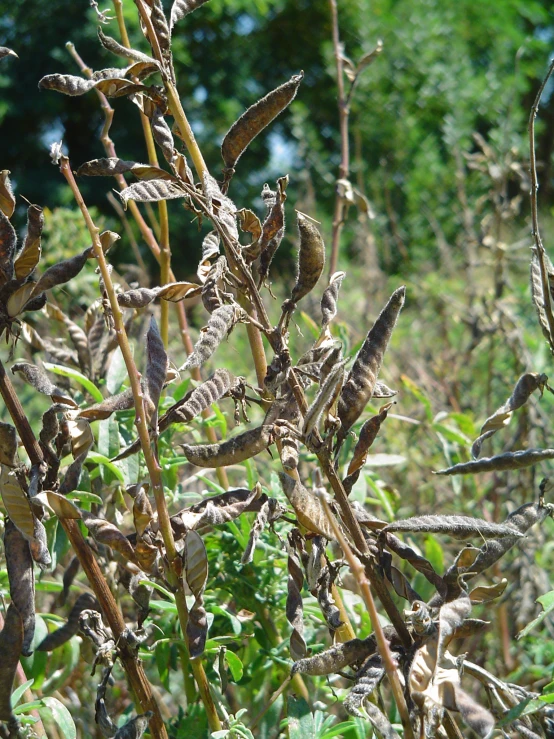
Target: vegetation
[{"x": 243, "y": 529}]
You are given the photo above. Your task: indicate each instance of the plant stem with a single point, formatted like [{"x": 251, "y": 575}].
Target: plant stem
[{"x": 150, "y": 457}]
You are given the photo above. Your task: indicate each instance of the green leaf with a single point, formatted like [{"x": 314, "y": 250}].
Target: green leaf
[
  {"x": 163, "y": 605},
  {"x": 74, "y": 374},
  {"x": 310, "y": 324},
  {"x": 434, "y": 553},
  {"x": 159, "y": 588},
  {"x": 547, "y": 602},
  {"x": 18, "y": 692},
  {"x": 84, "y": 497},
  {"x": 235, "y": 665},
  {"x": 53, "y": 710},
  {"x": 101, "y": 459},
  {"x": 300, "y": 719},
  {"x": 527, "y": 706},
  {"x": 235, "y": 623},
  {"x": 117, "y": 372}
]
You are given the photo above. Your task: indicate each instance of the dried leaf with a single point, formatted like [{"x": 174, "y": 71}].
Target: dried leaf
[
  {"x": 142, "y": 512},
  {"x": 11, "y": 644},
  {"x": 8, "y": 445},
  {"x": 382, "y": 391},
  {"x": 256, "y": 118},
  {"x": 451, "y": 617},
  {"x": 180, "y": 8},
  {"x": 113, "y": 165},
  {"x": 151, "y": 191},
  {"x": 7, "y": 198},
  {"x": 459, "y": 527},
  {"x": 16, "y": 502},
  {"x": 311, "y": 258},
  {"x": 506, "y": 461},
  {"x": 475, "y": 716},
  {"x": 210, "y": 249},
  {"x": 307, "y": 507},
  {"x": 486, "y": 593},
  {"x": 250, "y": 223},
  {"x": 359, "y": 386},
  {"x": 324, "y": 399},
  {"x": 538, "y": 295},
  {"x": 157, "y": 364},
  {"x": 274, "y": 225},
  {"x": 525, "y": 386},
  {"x": 217, "y": 510},
  {"x": 294, "y": 606},
  {"x": 29, "y": 256},
  {"x": 64, "y": 633},
  {"x": 62, "y": 507},
  {"x": 330, "y": 297},
  {"x": 19, "y": 299},
  {"x": 81, "y": 435},
  {"x": 21, "y": 576},
  {"x": 8, "y": 240},
  {"x": 221, "y": 322},
  {"x": 106, "y": 533},
  {"x": 195, "y": 563}
]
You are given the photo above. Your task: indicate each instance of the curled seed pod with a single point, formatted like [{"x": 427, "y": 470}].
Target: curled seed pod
[
  {"x": 256, "y": 118},
  {"x": 116, "y": 48},
  {"x": 69, "y": 575},
  {"x": 211, "y": 296},
  {"x": 326, "y": 601},
  {"x": 121, "y": 402},
  {"x": 21, "y": 576},
  {"x": 62, "y": 635},
  {"x": 359, "y": 386},
  {"x": 382, "y": 391},
  {"x": 210, "y": 391},
  {"x": 221, "y": 322},
  {"x": 29, "y": 256},
  {"x": 324, "y": 399},
  {"x": 336, "y": 658},
  {"x": 541, "y": 305},
  {"x": 161, "y": 27},
  {"x": 273, "y": 227},
  {"x": 270, "y": 511},
  {"x": 232, "y": 451},
  {"x": 217, "y": 510},
  {"x": 151, "y": 191},
  {"x": 294, "y": 606},
  {"x": 506, "y": 461},
  {"x": 106, "y": 533},
  {"x": 64, "y": 271},
  {"x": 289, "y": 452},
  {"x": 11, "y": 644},
  {"x": 460, "y": 527},
  {"x": 330, "y": 297},
  {"x": 525, "y": 386},
  {"x": 373, "y": 674},
  {"x": 181, "y": 8},
  {"x": 311, "y": 258},
  {"x": 157, "y": 364},
  {"x": 162, "y": 135},
  {"x": 38, "y": 378}
]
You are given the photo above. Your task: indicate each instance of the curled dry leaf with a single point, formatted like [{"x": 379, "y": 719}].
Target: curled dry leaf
[
  {"x": 221, "y": 322},
  {"x": 486, "y": 593},
  {"x": 256, "y": 118},
  {"x": 294, "y": 606},
  {"x": 330, "y": 297},
  {"x": 311, "y": 258},
  {"x": 11, "y": 645},
  {"x": 7, "y": 198},
  {"x": 29, "y": 256},
  {"x": 525, "y": 387},
  {"x": 76, "y": 334},
  {"x": 359, "y": 386},
  {"x": 233, "y": 450},
  {"x": 506, "y": 461},
  {"x": 62, "y": 507},
  {"x": 141, "y": 593},
  {"x": 106, "y": 533},
  {"x": 157, "y": 364},
  {"x": 64, "y": 633},
  {"x": 459, "y": 527},
  {"x": 21, "y": 577},
  {"x": 307, "y": 507}
]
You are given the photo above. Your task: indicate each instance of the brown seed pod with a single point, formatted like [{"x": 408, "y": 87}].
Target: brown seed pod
[
  {"x": 323, "y": 401},
  {"x": 108, "y": 166},
  {"x": 210, "y": 391},
  {"x": 232, "y": 451},
  {"x": 273, "y": 227},
  {"x": 221, "y": 322},
  {"x": 62, "y": 272},
  {"x": 307, "y": 507},
  {"x": 459, "y": 527},
  {"x": 8, "y": 444},
  {"x": 21, "y": 576},
  {"x": 195, "y": 563},
  {"x": 359, "y": 386},
  {"x": 538, "y": 295},
  {"x": 217, "y": 510},
  {"x": 525, "y": 386},
  {"x": 336, "y": 658},
  {"x": 62, "y": 635},
  {"x": 11, "y": 644},
  {"x": 162, "y": 135},
  {"x": 311, "y": 258},
  {"x": 373, "y": 674},
  {"x": 38, "y": 378},
  {"x": 270, "y": 511},
  {"x": 330, "y": 297},
  {"x": 151, "y": 191},
  {"x": 211, "y": 295},
  {"x": 180, "y": 8},
  {"x": 112, "y": 45},
  {"x": 99, "y": 411},
  {"x": 107, "y": 533},
  {"x": 67, "y": 84},
  {"x": 157, "y": 364},
  {"x": 294, "y": 605},
  {"x": 256, "y": 118},
  {"x": 161, "y": 27},
  {"x": 135, "y": 728},
  {"x": 506, "y": 461},
  {"x": 368, "y": 434}
]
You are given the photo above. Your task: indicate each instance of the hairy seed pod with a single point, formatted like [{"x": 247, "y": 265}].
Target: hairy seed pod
[
  {"x": 181, "y": 8},
  {"x": 162, "y": 135},
  {"x": 11, "y": 644},
  {"x": 21, "y": 577},
  {"x": 116, "y": 48},
  {"x": 68, "y": 84},
  {"x": 135, "y": 728},
  {"x": 324, "y": 399},
  {"x": 373, "y": 674},
  {"x": 8, "y": 444},
  {"x": 256, "y": 118},
  {"x": 307, "y": 507},
  {"x": 62, "y": 635},
  {"x": 459, "y": 527},
  {"x": 294, "y": 606},
  {"x": 211, "y": 296},
  {"x": 359, "y": 386},
  {"x": 151, "y": 191},
  {"x": 506, "y": 461},
  {"x": 233, "y": 451},
  {"x": 336, "y": 658},
  {"x": 311, "y": 258},
  {"x": 219, "y": 325},
  {"x": 157, "y": 364},
  {"x": 330, "y": 297},
  {"x": 202, "y": 397},
  {"x": 273, "y": 228}
]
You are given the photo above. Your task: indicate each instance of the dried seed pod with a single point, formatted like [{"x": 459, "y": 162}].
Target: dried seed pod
[
  {"x": 180, "y": 8},
  {"x": 135, "y": 728},
  {"x": 8, "y": 444},
  {"x": 38, "y": 378},
  {"x": 161, "y": 27},
  {"x": 329, "y": 609},
  {"x": 151, "y": 191},
  {"x": 116, "y": 48},
  {"x": 359, "y": 386},
  {"x": 336, "y": 658},
  {"x": 382, "y": 391},
  {"x": 459, "y": 527},
  {"x": 69, "y": 575},
  {"x": 418, "y": 562},
  {"x": 11, "y": 644},
  {"x": 330, "y": 297},
  {"x": 141, "y": 594},
  {"x": 220, "y": 324},
  {"x": 62, "y": 635},
  {"x": 451, "y": 617},
  {"x": 211, "y": 296},
  {"x": 475, "y": 716},
  {"x": 8, "y": 241},
  {"x": 270, "y": 511},
  {"x": 29, "y": 256},
  {"x": 324, "y": 399},
  {"x": 525, "y": 386},
  {"x": 108, "y": 166},
  {"x": 21, "y": 576},
  {"x": 373, "y": 674},
  {"x": 232, "y": 451},
  {"x": 64, "y": 271},
  {"x": 162, "y": 135},
  {"x": 256, "y": 118},
  {"x": 121, "y": 402},
  {"x": 4, "y": 51},
  {"x": 294, "y": 606},
  {"x": 106, "y": 533},
  {"x": 542, "y": 305},
  {"x": 273, "y": 227},
  {"x": 210, "y": 249},
  {"x": 195, "y": 563},
  {"x": 67, "y": 84},
  {"x": 307, "y": 507},
  {"x": 157, "y": 364},
  {"x": 311, "y": 258},
  {"x": 217, "y": 510},
  {"x": 7, "y": 198},
  {"x": 210, "y": 391},
  {"x": 368, "y": 434},
  {"x": 506, "y": 461}
]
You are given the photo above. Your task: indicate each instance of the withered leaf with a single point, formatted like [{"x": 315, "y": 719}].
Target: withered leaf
[
  {"x": 232, "y": 451},
  {"x": 210, "y": 249},
  {"x": 63, "y": 634},
  {"x": 107, "y": 533},
  {"x": 294, "y": 605},
  {"x": 382, "y": 391},
  {"x": 486, "y": 593},
  {"x": 8, "y": 445},
  {"x": 330, "y": 297},
  {"x": 217, "y": 510},
  {"x": 135, "y": 728},
  {"x": 307, "y": 507},
  {"x": 29, "y": 256},
  {"x": 451, "y": 617},
  {"x": 542, "y": 304},
  {"x": 195, "y": 563},
  {"x": 62, "y": 507},
  {"x": 7, "y": 198},
  {"x": 180, "y": 8},
  {"x": 19, "y": 299},
  {"x": 359, "y": 386},
  {"x": 525, "y": 386},
  {"x": 157, "y": 364},
  {"x": 142, "y": 511},
  {"x": 220, "y": 323},
  {"x": 141, "y": 593},
  {"x": 81, "y": 435},
  {"x": 113, "y": 165},
  {"x": 501, "y": 462},
  {"x": 11, "y": 644},
  {"x": 21, "y": 576},
  {"x": 151, "y": 191},
  {"x": 474, "y": 715},
  {"x": 256, "y": 118},
  {"x": 250, "y": 223},
  {"x": 8, "y": 240},
  {"x": 460, "y": 527},
  {"x": 270, "y": 511},
  {"x": 16, "y": 502}
]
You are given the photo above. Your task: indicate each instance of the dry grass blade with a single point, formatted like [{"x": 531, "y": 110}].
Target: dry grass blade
[
  {"x": 232, "y": 451},
  {"x": 506, "y": 461},
  {"x": 459, "y": 527},
  {"x": 11, "y": 643},
  {"x": 19, "y": 563},
  {"x": 359, "y": 386},
  {"x": 525, "y": 387},
  {"x": 256, "y": 118},
  {"x": 60, "y": 636},
  {"x": 7, "y": 198}
]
